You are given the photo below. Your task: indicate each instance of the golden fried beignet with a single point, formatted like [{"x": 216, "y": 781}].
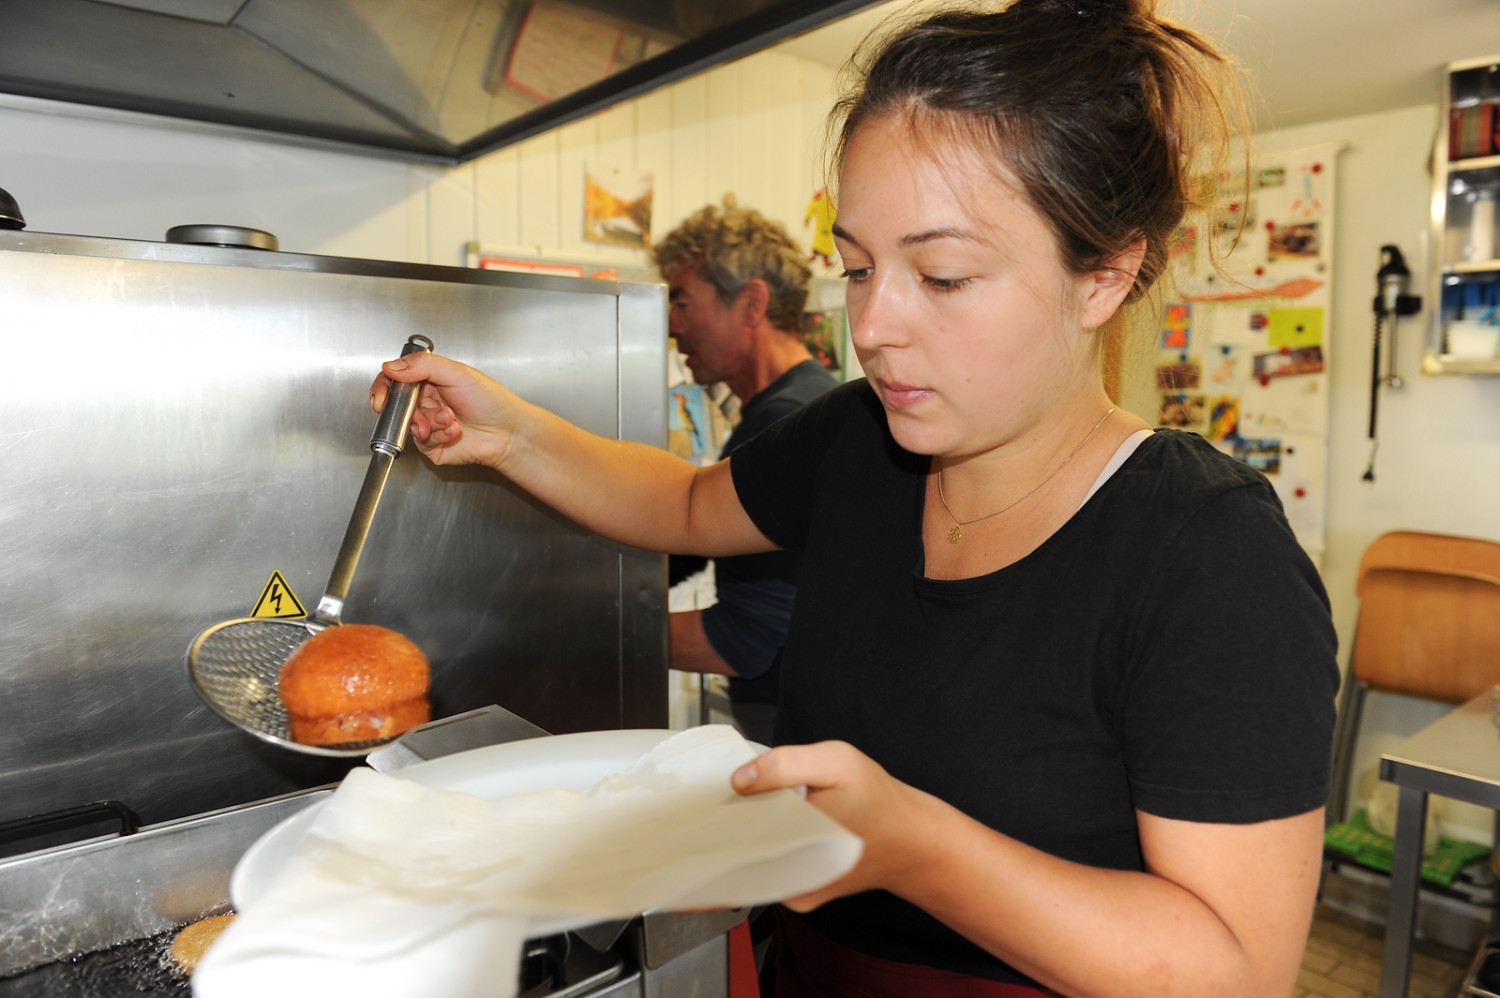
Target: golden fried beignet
[
  {"x": 355, "y": 683},
  {"x": 195, "y": 939}
]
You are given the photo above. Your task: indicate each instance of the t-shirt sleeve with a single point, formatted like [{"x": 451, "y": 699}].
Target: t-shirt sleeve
[
  {"x": 1229, "y": 709},
  {"x": 748, "y": 624},
  {"x": 775, "y": 472}
]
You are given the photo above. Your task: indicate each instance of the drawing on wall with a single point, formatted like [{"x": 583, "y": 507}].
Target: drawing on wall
[
  {"x": 1243, "y": 360},
  {"x": 617, "y": 206},
  {"x": 1176, "y": 326},
  {"x": 1223, "y": 417}
]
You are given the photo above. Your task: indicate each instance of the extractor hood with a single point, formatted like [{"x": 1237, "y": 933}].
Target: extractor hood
[{"x": 437, "y": 80}]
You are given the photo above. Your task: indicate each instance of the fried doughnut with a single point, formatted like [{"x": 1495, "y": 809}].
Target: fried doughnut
[
  {"x": 355, "y": 683},
  {"x": 195, "y": 939}
]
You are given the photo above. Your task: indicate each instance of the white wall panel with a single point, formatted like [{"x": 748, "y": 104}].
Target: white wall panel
[
  {"x": 654, "y": 145},
  {"x": 756, "y": 184},
  {"x": 537, "y": 174},
  {"x": 442, "y": 213},
  {"x": 577, "y": 145},
  {"x": 687, "y": 188},
  {"x": 787, "y": 169},
  {"x": 726, "y": 155},
  {"x": 497, "y": 197}
]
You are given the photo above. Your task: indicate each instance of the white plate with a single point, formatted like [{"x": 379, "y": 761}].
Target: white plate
[{"x": 572, "y": 762}]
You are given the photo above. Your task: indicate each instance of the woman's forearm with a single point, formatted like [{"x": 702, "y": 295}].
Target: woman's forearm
[
  {"x": 1087, "y": 931},
  {"x": 628, "y": 491}
]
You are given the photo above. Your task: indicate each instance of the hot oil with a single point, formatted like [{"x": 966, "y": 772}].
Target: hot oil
[{"x": 142, "y": 967}]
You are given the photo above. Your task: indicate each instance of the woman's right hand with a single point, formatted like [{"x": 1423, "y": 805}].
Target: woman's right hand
[{"x": 462, "y": 417}]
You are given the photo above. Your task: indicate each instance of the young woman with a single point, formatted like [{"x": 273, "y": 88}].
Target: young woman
[{"x": 1070, "y": 679}]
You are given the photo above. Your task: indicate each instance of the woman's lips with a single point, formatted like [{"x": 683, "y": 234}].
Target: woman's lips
[{"x": 899, "y": 396}]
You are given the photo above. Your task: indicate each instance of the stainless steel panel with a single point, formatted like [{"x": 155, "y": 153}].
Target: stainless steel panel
[
  {"x": 94, "y": 895},
  {"x": 193, "y": 419},
  {"x": 643, "y": 416}
]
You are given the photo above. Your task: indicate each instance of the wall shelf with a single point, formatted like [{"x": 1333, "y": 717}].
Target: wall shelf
[
  {"x": 1438, "y": 363},
  {"x": 1463, "y": 292}
]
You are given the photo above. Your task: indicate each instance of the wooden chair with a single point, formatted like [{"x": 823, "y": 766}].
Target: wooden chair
[{"x": 1429, "y": 627}]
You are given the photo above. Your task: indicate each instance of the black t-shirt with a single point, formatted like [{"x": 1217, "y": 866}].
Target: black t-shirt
[
  {"x": 1169, "y": 649},
  {"x": 754, "y": 592}
]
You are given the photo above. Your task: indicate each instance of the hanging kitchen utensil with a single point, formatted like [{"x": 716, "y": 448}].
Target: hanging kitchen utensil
[{"x": 235, "y": 665}]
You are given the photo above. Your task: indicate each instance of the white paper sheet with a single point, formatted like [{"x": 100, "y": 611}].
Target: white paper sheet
[{"x": 399, "y": 888}]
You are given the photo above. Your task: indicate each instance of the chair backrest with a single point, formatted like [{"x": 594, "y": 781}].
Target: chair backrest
[{"x": 1429, "y": 615}]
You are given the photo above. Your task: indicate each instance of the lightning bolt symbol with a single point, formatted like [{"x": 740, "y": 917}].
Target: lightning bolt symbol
[{"x": 276, "y": 598}]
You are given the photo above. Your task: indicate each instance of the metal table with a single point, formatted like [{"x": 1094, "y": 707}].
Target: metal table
[{"x": 1456, "y": 756}]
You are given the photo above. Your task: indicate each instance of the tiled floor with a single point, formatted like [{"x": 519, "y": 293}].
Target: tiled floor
[{"x": 1343, "y": 961}]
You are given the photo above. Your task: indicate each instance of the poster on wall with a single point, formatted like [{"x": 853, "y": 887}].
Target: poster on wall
[
  {"x": 617, "y": 206},
  {"x": 1242, "y": 350}
]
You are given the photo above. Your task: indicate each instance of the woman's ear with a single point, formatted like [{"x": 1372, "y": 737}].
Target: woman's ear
[{"x": 1107, "y": 287}]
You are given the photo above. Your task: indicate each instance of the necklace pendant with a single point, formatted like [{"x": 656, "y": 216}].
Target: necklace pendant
[{"x": 954, "y": 534}]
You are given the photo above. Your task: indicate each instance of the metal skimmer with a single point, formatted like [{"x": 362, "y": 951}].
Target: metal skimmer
[{"x": 235, "y": 664}]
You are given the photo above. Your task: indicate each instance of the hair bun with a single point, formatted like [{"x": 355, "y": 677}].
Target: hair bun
[{"x": 1099, "y": 10}]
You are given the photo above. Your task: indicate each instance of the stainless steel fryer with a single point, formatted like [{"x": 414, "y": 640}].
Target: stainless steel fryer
[{"x": 97, "y": 917}]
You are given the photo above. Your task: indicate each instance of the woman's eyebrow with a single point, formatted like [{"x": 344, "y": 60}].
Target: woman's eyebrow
[{"x": 926, "y": 236}]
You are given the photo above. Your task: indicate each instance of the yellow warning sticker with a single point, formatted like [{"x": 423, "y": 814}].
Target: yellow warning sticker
[{"x": 278, "y": 600}]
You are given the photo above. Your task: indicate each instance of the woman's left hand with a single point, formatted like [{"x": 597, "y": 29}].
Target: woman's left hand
[{"x": 852, "y": 789}]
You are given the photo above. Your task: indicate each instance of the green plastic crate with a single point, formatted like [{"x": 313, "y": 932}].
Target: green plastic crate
[{"x": 1357, "y": 840}]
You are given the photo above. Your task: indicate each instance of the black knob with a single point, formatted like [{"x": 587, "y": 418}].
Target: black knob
[{"x": 10, "y": 212}]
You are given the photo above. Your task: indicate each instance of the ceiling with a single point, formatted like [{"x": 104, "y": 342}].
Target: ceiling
[{"x": 1306, "y": 60}]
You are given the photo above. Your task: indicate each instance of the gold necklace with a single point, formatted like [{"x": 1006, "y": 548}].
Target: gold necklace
[{"x": 955, "y": 532}]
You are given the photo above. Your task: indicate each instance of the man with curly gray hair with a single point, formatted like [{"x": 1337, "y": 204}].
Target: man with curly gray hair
[{"x": 737, "y": 288}]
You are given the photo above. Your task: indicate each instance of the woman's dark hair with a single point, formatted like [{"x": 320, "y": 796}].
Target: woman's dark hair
[{"x": 1097, "y": 107}]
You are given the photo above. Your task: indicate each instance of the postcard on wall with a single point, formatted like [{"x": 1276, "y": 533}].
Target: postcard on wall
[
  {"x": 1294, "y": 327},
  {"x": 1240, "y": 325},
  {"x": 1183, "y": 411},
  {"x": 1287, "y": 362},
  {"x": 1174, "y": 373},
  {"x": 1262, "y": 454},
  {"x": 1294, "y": 241},
  {"x": 689, "y": 428},
  {"x": 1276, "y": 406}
]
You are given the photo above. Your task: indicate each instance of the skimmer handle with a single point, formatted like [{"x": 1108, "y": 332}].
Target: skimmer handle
[
  {"x": 391, "y": 428},
  {"x": 386, "y": 443}
]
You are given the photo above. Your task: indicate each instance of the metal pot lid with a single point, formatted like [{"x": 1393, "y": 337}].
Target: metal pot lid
[{"x": 239, "y": 236}]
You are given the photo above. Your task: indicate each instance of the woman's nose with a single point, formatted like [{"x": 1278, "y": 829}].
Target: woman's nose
[{"x": 875, "y": 315}]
